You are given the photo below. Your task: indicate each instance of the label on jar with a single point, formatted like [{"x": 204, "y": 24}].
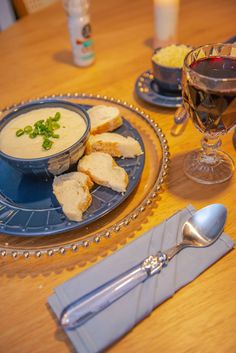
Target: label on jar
[{"x": 82, "y": 44}]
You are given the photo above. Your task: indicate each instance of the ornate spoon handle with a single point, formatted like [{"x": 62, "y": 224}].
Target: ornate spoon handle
[{"x": 86, "y": 307}]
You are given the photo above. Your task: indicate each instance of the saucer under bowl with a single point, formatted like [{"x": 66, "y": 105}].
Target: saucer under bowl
[{"x": 148, "y": 89}]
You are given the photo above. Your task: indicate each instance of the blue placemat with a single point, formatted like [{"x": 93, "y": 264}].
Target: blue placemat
[{"x": 113, "y": 322}]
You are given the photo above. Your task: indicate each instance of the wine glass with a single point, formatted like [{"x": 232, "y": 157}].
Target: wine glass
[{"x": 209, "y": 96}]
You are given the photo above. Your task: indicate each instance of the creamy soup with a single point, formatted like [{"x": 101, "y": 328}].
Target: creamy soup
[{"x": 72, "y": 127}]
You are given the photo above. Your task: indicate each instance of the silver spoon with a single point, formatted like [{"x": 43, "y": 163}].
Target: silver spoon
[
  {"x": 180, "y": 121},
  {"x": 201, "y": 230}
]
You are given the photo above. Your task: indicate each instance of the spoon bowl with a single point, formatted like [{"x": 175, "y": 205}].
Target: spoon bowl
[
  {"x": 202, "y": 229},
  {"x": 205, "y": 226}
]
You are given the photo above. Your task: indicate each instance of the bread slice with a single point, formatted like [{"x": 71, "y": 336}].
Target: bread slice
[
  {"x": 114, "y": 144},
  {"x": 103, "y": 170},
  {"x": 81, "y": 178},
  {"x": 72, "y": 192},
  {"x": 104, "y": 118}
]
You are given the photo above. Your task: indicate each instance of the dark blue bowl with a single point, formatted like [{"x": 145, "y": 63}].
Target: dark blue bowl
[
  {"x": 56, "y": 163},
  {"x": 168, "y": 78}
]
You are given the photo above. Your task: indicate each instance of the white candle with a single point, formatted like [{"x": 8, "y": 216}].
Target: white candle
[{"x": 165, "y": 21}]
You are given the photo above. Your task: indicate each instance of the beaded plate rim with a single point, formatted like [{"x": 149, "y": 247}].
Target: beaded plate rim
[{"x": 117, "y": 226}]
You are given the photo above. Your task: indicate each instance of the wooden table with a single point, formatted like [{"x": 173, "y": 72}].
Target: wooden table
[{"x": 36, "y": 60}]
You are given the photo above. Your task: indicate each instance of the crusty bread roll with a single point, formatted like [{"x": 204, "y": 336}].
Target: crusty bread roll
[
  {"x": 114, "y": 144},
  {"x": 104, "y": 118},
  {"x": 103, "y": 170},
  {"x": 72, "y": 192}
]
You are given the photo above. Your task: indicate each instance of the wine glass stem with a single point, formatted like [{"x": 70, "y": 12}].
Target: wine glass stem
[{"x": 210, "y": 145}]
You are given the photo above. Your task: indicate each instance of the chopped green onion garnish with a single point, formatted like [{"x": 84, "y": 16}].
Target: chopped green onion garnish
[
  {"x": 45, "y": 128},
  {"x": 28, "y": 129},
  {"x": 47, "y": 144},
  {"x": 33, "y": 134},
  {"x": 56, "y": 117},
  {"x": 39, "y": 122},
  {"x": 47, "y": 133},
  {"x": 19, "y": 132},
  {"x": 48, "y": 124},
  {"x": 55, "y": 136},
  {"x": 55, "y": 125}
]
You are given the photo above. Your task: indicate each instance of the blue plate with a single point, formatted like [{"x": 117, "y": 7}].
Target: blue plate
[
  {"x": 147, "y": 89},
  {"x": 29, "y": 208}
]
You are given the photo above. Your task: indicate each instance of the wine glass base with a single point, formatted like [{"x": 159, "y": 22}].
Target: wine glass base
[{"x": 207, "y": 169}]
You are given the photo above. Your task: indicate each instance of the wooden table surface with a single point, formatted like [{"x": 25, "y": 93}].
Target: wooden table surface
[{"x": 36, "y": 60}]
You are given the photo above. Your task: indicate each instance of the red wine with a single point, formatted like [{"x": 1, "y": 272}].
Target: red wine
[
  {"x": 215, "y": 67},
  {"x": 213, "y": 110}
]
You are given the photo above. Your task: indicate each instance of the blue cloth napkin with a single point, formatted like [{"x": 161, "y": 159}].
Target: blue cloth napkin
[{"x": 116, "y": 320}]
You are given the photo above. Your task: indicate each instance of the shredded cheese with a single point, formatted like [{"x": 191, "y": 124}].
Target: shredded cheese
[{"x": 172, "y": 56}]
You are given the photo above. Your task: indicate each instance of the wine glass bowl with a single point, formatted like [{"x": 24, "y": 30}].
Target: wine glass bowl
[{"x": 209, "y": 96}]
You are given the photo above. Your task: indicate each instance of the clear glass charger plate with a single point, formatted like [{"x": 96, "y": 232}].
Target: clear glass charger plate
[{"x": 126, "y": 217}]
